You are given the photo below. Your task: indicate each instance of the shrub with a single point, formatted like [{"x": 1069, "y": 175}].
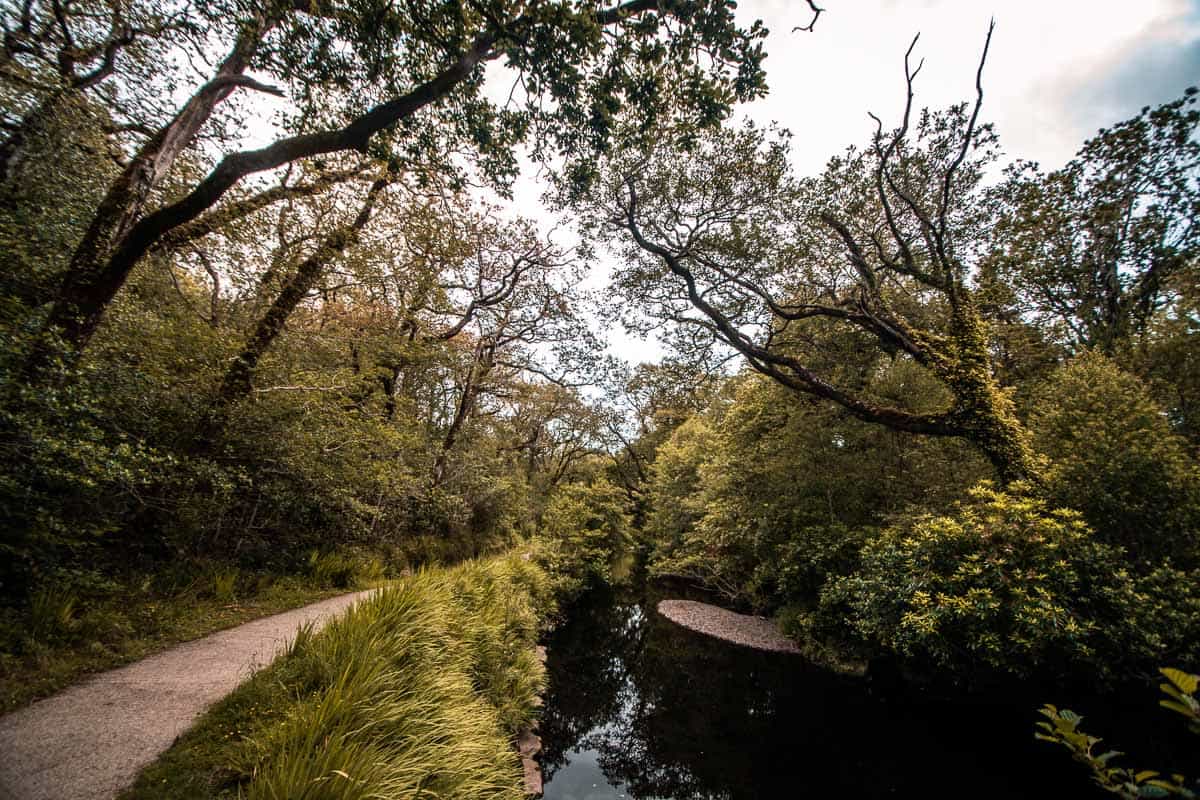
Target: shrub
[
  {"x": 1005, "y": 585},
  {"x": 331, "y": 569},
  {"x": 52, "y": 612},
  {"x": 1114, "y": 458},
  {"x": 799, "y": 568},
  {"x": 224, "y": 585}
]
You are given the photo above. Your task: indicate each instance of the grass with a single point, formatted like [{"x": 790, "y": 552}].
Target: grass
[
  {"x": 61, "y": 636},
  {"x": 417, "y": 692}
]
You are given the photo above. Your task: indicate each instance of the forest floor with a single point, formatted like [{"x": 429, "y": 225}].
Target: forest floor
[
  {"x": 91, "y": 741},
  {"x": 743, "y": 629}
]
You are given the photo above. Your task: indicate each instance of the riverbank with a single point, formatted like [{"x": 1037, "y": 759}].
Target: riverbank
[{"x": 420, "y": 690}]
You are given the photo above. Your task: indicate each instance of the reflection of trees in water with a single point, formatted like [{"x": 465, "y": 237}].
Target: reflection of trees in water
[
  {"x": 669, "y": 714},
  {"x": 588, "y": 674},
  {"x": 695, "y": 720},
  {"x": 675, "y": 715}
]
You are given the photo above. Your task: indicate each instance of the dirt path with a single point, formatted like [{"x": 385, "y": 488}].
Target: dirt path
[
  {"x": 90, "y": 741},
  {"x": 757, "y": 632}
]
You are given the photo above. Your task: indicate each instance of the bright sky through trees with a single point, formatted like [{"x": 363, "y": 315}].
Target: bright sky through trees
[{"x": 1057, "y": 71}]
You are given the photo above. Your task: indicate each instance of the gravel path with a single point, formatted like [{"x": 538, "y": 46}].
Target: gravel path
[
  {"x": 90, "y": 741},
  {"x": 757, "y": 632}
]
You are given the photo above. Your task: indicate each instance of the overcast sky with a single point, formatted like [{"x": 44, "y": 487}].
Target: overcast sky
[{"x": 1057, "y": 71}]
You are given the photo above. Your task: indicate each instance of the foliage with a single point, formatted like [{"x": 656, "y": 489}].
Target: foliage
[
  {"x": 675, "y": 493},
  {"x": 1092, "y": 249},
  {"x": 1003, "y": 585},
  {"x": 584, "y": 529},
  {"x": 1063, "y": 728},
  {"x": 725, "y": 243},
  {"x": 767, "y": 495},
  {"x": 1115, "y": 459},
  {"x": 417, "y": 690},
  {"x": 356, "y": 405}
]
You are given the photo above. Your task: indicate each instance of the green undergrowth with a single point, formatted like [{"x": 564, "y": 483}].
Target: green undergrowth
[
  {"x": 416, "y": 692},
  {"x": 70, "y": 628}
]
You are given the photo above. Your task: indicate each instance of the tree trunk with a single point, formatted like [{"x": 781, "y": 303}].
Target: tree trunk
[
  {"x": 240, "y": 375},
  {"x": 93, "y": 278},
  {"x": 982, "y": 410},
  {"x": 120, "y": 236},
  {"x": 481, "y": 365}
]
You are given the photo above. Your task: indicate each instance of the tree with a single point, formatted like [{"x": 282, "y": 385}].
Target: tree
[
  {"x": 766, "y": 495},
  {"x": 555, "y": 430},
  {"x": 369, "y": 69},
  {"x": 725, "y": 243},
  {"x": 1114, "y": 458},
  {"x": 642, "y": 408},
  {"x": 236, "y": 383},
  {"x": 1091, "y": 250},
  {"x": 57, "y": 52}
]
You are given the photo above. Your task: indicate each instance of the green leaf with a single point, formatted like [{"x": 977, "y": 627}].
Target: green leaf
[
  {"x": 1186, "y": 682},
  {"x": 1179, "y": 707}
]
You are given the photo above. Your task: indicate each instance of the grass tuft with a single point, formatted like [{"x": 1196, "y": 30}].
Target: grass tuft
[{"x": 417, "y": 692}]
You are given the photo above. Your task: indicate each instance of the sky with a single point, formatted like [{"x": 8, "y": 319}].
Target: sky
[{"x": 1057, "y": 71}]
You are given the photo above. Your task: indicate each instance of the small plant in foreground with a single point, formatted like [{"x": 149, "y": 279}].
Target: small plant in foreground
[
  {"x": 224, "y": 585},
  {"x": 1063, "y": 728},
  {"x": 52, "y": 612}
]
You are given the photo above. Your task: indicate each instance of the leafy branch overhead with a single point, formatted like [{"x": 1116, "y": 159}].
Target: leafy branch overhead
[
  {"x": 406, "y": 83},
  {"x": 725, "y": 242}
]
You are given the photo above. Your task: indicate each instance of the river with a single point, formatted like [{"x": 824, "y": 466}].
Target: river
[{"x": 638, "y": 707}]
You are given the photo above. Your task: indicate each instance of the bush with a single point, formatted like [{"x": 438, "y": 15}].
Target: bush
[
  {"x": 52, "y": 612},
  {"x": 584, "y": 529},
  {"x": 1115, "y": 459},
  {"x": 812, "y": 555},
  {"x": 1005, "y": 585}
]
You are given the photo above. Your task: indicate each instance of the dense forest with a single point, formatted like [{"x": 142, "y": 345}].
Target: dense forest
[{"x": 271, "y": 329}]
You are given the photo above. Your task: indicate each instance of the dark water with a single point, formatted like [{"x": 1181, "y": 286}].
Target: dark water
[{"x": 638, "y": 707}]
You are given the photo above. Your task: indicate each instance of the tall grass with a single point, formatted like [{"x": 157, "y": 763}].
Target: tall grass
[{"x": 415, "y": 693}]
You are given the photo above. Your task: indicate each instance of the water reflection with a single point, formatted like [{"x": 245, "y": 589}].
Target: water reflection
[{"x": 638, "y": 707}]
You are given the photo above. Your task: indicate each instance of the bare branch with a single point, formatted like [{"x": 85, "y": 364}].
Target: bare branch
[{"x": 812, "y": 23}]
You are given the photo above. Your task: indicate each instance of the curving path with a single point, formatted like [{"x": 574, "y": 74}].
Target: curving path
[{"x": 90, "y": 741}]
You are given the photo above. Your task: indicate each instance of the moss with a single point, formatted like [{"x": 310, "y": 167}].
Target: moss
[{"x": 982, "y": 408}]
